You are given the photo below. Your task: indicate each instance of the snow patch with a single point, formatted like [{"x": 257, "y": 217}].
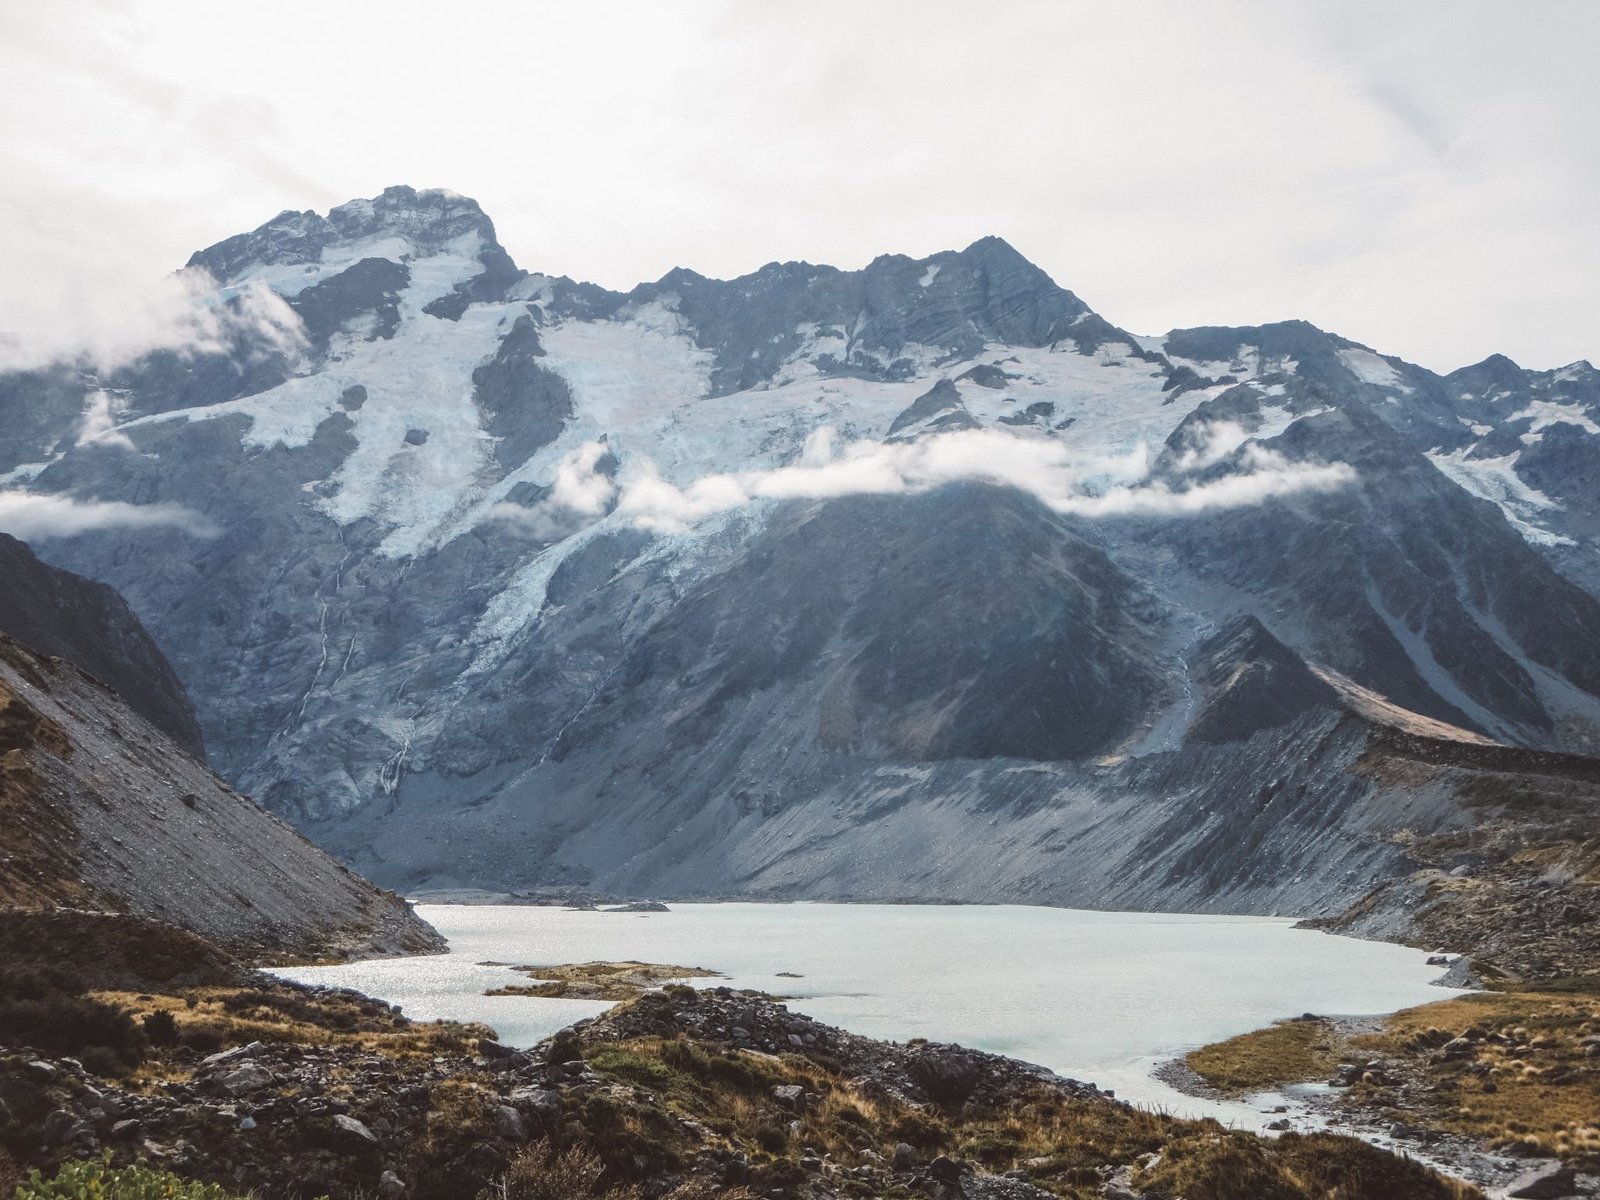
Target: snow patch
[
  {"x": 1373, "y": 369},
  {"x": 27, "y": 472},
  {"x": 1544, "y": 413},
  {"x": 516, "y": 607},
  {"x": 929, "y": 275},
  {"x": 421, "y": 379},
  {"x": 287, "y": 415},
  {"x": 1276, "y": 419},
  {"x": 1496, "y": 480}
]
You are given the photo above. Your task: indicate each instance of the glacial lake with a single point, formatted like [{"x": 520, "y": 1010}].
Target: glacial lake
[{"x": 1098, "y": 996}]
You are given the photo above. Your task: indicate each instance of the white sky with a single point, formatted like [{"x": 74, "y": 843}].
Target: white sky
[{"x": 1420, "y": 176}]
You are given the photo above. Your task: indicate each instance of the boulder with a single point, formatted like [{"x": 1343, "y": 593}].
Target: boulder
[
  {"x": 56, "y": 1126},
  {"x": 224, "y": 1058},
  {"x": 508, "y": 1123},
  {"x": 352, "y": 1133},
  {"x": 541, "y": 1102},
  {"x": 1550, "y": 1181},
  {"x": 1461, "y": 1047},
  {"x": 947, "y": 1076},
  {"x": 248, "y": 1077}
]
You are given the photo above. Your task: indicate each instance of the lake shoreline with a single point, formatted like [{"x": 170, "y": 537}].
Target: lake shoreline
[{"x": 751, "y": 943}]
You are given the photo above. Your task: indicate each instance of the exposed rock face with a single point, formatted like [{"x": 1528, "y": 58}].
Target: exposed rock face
[
  {"x": 430, "y": 632},
  {"x": 56, "y": 612},
  {"x": 104, "y": 811},
  {"x": 1252, "y": 681}
]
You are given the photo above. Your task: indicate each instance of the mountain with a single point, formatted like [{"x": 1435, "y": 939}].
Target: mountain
[
  {"x": 922, "y": 580},
  {"x": 58, "y": 613},
  {"x": 106, "y": 811}
]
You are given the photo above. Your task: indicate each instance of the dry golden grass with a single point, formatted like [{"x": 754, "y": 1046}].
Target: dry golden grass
[
  {"x": 1288, "y": 1052},
  {"x": 1529, "y": 1082},
  {"x": 599, "y": 980},
  {"x": 230, "y": 1016},
  {"x": 458, "y": 1112},
  {"x": 542, "y": 1172},
  {"x": 1233, "y": 1166},
  {"x": 1061, "y": 1142}
]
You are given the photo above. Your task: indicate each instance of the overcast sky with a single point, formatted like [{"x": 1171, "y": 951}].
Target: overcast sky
[{"x": 1422, "y": 177}]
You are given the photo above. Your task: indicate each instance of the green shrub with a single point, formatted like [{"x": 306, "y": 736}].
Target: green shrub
[
  {"x": 97, "y": 1179},
  {"x": 630, "y": 1064}
]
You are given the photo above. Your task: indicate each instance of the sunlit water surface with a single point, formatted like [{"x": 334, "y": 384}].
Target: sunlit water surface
[{"x": 1098, "y": 996}]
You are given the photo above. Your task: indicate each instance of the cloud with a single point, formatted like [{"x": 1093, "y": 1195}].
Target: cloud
[
  {"x": 99, "y": 421},
  {"x": 1066, "y": 480},
  {"x": 580, "y": 493},
  {"x": 185, "y": 312},
  {"x": 33, "y": 517},
  {"x": 1210, "y": 444},
  {"x": 1383, "y": 192}
]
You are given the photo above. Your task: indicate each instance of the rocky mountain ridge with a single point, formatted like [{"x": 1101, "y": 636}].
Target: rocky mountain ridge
[{"x": 789, "y": 584}]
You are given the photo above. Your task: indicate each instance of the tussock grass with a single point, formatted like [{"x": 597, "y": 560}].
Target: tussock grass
[
  {"x": 599, "y": 980},
  {"x": 1061, "y": 1142},
  {"x": 212, "y": 1018},
  {"x": 543, "y": 1172},
  {"x": 1231, "y": 1166},
  {"x": 1288, "y": 1052},
  {"x": 1531, "y": 1081},
  {"x": 1531, "y": 1084}
]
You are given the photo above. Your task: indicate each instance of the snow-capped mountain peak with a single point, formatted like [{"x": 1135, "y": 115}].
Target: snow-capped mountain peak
[{"x": 639, "y": 572}]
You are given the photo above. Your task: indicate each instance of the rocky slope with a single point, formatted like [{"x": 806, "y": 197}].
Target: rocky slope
[
  {"x": 829, "y": 583},
  {"x": 103, "y": 811},
  {"x": 681, "y": 1094},
  {"x": 58, "y": 613}
]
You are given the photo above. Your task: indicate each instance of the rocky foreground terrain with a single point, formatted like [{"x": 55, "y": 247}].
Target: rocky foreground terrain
[{"x": 276, "y": 1090}]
